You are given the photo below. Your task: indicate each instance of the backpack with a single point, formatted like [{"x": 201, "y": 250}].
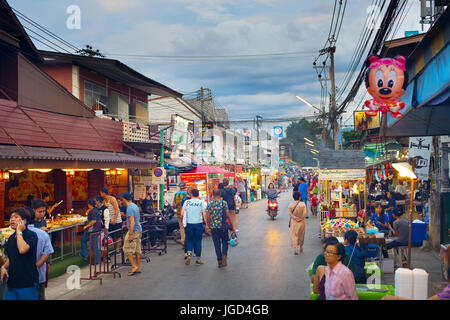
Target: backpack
[{"x": 228, "y": 196}]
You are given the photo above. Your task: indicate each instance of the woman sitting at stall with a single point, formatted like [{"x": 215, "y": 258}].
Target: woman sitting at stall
[
  {"x": 356, "y": 255},
  {"x": 380, "y": 219},
  {"x": 339, "y": 280}
]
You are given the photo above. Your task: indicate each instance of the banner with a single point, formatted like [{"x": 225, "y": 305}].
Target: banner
[
  {"x": 364, "y": 122},
  {"x": 197, "y": 180},
  {"x": 342, "y": 174},
  {"x": 419, "y": 151},
  {"x": 139, "y": 186},
  {"x": 179, "y": 131}
]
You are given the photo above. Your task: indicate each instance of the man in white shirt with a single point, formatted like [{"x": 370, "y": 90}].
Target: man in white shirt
[{"x": 192, "y": 214}]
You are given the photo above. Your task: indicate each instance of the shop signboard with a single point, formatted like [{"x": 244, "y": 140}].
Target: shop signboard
[
  {"x": 197, "y": 180},
  {"x": 364, "y": 122},
  {"x": 203, "y": 132},
  {"x": 342, "y": 174},
  {"x": 278, "y": 131},
  {"x": 419, "y": 151},
  {"x": 179, "y": 131}
]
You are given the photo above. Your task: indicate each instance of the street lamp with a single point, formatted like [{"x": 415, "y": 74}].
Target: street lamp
[
  {"x": 307, "y": 102},
  {"x": 407, "y": 171},
  {"x": 307, "y": 140},
  {"x": 309, "y": 144}
]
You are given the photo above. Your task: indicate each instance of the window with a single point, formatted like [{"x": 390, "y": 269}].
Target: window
[{"x": 94, "y": 95}]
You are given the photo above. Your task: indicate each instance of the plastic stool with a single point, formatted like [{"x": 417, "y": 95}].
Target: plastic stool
[{"x": 400, "y": 256}]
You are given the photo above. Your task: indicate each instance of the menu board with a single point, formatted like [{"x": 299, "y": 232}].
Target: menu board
[
  {"x": 140, "y": 184},
  {"x": 197, "y": 180}
]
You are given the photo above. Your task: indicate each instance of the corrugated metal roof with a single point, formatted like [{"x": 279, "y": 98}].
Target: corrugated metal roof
[
  {"x": 341, "y": 159},
  {"x": 12, "y": 152}
]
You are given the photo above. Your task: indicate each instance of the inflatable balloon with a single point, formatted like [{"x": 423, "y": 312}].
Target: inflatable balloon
[{"x": 386, "y": 80}]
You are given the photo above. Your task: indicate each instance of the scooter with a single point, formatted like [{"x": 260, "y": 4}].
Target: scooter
[{"x": 272, "y": 208}]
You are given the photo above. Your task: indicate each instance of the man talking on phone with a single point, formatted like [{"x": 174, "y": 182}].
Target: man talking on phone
[{"x": 20, "y": 269}]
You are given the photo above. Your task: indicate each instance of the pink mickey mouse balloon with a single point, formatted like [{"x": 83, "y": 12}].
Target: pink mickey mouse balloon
[{"x": 386, "y": 81}]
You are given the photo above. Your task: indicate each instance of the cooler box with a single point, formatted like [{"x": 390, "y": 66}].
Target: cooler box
[{"x": 418, "y": 234}]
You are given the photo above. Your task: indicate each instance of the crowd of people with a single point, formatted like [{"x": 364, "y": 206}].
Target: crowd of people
[{"x": 24, "y": 255}]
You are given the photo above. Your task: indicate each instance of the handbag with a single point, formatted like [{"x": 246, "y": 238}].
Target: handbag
[{"x": 293, "y": 211}]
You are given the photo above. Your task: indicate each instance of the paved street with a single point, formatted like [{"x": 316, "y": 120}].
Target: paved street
[{"x": 262, "y": 266}]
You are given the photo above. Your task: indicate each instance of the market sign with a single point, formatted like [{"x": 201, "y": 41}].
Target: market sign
[
  {"x": 342, "y": 174},
  {"x": 198, "y": 181},
  {"x": 203, "y": 132},
  {"x": 419, "y": 152}
]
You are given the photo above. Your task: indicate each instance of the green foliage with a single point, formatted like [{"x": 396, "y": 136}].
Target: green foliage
[
  {"x": 295, "y": 133},
  {"x": 351, "y": 135}
]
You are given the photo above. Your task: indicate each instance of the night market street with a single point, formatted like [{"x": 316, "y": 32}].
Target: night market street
[{"x": 262, "y": 266}]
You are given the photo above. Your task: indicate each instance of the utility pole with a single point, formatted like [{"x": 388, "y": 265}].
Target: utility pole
[
  {"x": 258, "y": 122},
  {"x": 333, "y": 117},
  {"x": 202, "y": 105}
]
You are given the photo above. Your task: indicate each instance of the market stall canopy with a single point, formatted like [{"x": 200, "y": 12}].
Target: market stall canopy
[
  {"x": 179, "y": 162},
  {"x": 341, "y": 159},
  {"x": 341, "y": 165},
  {"x": 208, "y": 169},
  {"x": 15, "y": 157}
]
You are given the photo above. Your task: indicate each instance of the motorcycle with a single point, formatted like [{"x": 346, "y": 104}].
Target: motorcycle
[{"x": 272, "y": 208}]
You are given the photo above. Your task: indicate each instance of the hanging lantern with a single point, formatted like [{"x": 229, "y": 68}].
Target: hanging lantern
[{"x": 386, "y": 80}]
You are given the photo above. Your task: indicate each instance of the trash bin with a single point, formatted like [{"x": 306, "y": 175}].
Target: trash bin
[{"x": 418, "y": 233}]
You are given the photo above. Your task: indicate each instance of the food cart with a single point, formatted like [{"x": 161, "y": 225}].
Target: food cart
[
  {"x": 206, "y": 179},
  {"x": 342, "y": 180}
]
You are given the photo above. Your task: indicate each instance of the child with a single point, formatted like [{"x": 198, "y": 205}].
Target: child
[{"x": 314, "y": 203}]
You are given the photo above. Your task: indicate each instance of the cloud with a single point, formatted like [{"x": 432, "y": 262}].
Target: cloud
[{"x": 115, "y": 6}]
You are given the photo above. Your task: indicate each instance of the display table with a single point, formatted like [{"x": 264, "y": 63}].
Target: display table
[
  {"x": 366, "y": 292},
  {"x": 69, "y": 223}
]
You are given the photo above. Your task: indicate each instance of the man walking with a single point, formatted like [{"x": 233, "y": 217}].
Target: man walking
[
  {"x": 43, "y": 251},
  {"x": 216, "y": 222},
  {"x": 179, "y": 196},
  {"x": 192, "y": 213},
  {"x": 228, "y": 195},
  {"x": 303, "y": 189},
  {"x": 20, "y": 266},
  {"x": 132, "y": 244}
]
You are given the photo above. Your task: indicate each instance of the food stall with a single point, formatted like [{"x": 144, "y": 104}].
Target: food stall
[
  {"x": 342, "y": 178},
  {"x": 206, "y": 178}
]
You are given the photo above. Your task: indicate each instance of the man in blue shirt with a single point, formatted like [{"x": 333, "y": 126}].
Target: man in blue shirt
[
  {"x": 132, "y": 242},
  {"x": 43, "y": 252},
  {"x": 303, "y": 189},
  {"x": 391, "y": 207}
]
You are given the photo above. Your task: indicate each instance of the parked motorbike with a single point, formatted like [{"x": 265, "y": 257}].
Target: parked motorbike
[
  {"x": 272, "y": 208},
  {"x": 173, "y": 228}
]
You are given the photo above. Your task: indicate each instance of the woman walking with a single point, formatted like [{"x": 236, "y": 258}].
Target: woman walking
[{"x": 297, "y": 226}]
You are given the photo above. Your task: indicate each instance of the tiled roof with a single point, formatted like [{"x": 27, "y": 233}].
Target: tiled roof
[{"x": 341, "y": 159}]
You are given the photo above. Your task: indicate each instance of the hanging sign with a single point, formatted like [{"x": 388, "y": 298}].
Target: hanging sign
[
  {"x": 419, "y": 151},
  {"x": 386, "y": 80},
  {"x": 342, "y": 174}
]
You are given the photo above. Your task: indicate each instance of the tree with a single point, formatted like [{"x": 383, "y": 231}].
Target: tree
[{"x": 295, "y": 133}]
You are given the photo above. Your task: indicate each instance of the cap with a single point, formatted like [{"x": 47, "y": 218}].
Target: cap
[
  {"x": 182, "y": 185},
  {"x": 127, "y": 196}
]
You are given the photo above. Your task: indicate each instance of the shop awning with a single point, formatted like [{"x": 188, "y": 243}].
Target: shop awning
[
  {"x": 208, "y": 169},
  {"x": 24, "y": 157}
]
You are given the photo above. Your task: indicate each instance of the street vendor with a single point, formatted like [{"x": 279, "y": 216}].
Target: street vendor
[
  {"x": 380, "y": 219},
  {"x": 391, "y": 207}
]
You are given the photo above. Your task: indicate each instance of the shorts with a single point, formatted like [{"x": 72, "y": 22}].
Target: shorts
[
  {"x": 114, "y": 227},
  {"x": 133, "y": 247},
  {"x": 243, "y": 196}
]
